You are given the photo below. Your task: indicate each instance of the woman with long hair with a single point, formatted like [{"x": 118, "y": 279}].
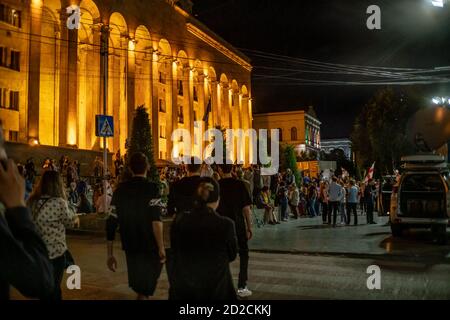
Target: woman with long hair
[
  {"x": 203, "y": 243},
  {"x": 52, "y": 215}
]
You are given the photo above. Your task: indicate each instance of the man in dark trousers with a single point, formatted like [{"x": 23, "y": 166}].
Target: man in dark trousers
[
  {"x": 368, "y": 196},
  {"x": 24, "y": 261},
  {"x": 136, "y": 207},
  {"x": 235, "y": 203}
]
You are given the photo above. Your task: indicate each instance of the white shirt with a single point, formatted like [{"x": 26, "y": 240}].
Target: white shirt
[{"x": 335, "y": 192}]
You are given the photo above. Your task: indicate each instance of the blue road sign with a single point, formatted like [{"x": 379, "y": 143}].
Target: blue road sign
[{"x": 104, "y": 126}]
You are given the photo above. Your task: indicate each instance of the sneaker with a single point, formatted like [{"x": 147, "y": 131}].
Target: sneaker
[{"x": 244, "y": 293}]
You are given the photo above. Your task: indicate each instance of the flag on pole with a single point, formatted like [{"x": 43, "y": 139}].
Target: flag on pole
[
  {"x": 370, "y": 173},
  {"x": 207, "y": 112}
]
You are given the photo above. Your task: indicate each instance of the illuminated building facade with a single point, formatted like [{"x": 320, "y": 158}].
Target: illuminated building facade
[
  {"x": 51, "y": 78},
  {"x": 298, "y": 128}
]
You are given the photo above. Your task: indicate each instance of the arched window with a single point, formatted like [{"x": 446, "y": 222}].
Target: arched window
[{"x": 294, "y": 134}]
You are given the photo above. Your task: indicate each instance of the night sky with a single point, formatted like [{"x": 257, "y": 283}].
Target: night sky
[{"x": 414, "y": 35}]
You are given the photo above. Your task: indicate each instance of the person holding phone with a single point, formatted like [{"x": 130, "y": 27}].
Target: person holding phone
[{"x": 24, "y": 262}]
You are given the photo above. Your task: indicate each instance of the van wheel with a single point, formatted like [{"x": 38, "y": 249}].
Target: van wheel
[
  {"x": 440, "y": 234},
  {"x": 397, "y": 230}
]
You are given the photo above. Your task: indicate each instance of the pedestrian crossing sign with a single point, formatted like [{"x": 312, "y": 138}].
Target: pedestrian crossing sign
[{"x": 104, "y": 126}]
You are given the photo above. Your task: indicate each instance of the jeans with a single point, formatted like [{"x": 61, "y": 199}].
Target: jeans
[
  {"x": 352, "y": 208},
  {"x": 59, "y": 265},
  {"x": 243, "y": 259},
  {"x": 283, "y": 208},
  {"x": 343, "y": 213},
  {"x": 334, "y": 207},
  {"x": 325, "y": 211},
  {"x": 369, "y": 206},
  {"x": 312, "y": 207}
]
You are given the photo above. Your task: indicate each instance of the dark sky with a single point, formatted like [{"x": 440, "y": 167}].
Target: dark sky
[{"x": 414, "y": 35}]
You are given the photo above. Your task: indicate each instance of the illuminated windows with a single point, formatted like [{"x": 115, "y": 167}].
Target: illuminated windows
[{"x": 10, "y": 15}]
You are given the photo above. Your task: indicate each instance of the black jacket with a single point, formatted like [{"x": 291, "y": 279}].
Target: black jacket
[{"x": 24, "y": 262}]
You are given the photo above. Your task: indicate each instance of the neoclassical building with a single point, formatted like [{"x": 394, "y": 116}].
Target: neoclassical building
[
  {"x": 299, "y": 128},
  {"x": 158, "y": 55},
  {"x": 344, "y": 144}
]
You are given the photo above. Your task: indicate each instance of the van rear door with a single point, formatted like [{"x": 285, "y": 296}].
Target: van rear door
[{"x": 423, "y": 195}]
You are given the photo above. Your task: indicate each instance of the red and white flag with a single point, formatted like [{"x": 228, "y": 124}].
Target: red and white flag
[{"x": 370, "y": 173}]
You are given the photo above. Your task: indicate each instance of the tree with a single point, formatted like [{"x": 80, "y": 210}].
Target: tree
[
  {"x": 141, "y": 141},
  {"x": 379, "y": 134},
  {"x": 289, "y": 161}
]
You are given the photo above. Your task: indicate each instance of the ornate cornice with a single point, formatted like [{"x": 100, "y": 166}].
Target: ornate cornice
[{"x": 217, "y": 45}]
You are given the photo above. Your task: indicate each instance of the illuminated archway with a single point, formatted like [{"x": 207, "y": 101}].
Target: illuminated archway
[
  {"x": 143, "y": 65},
  {"x": 88, "y": 70},
  {"x": 224, "y": 98},
  {"x": 117, "y": 99},
  {"x": 49, "y": 77}
]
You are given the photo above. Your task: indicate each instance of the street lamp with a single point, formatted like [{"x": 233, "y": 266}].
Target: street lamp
[{"x": 441, "y": 101}]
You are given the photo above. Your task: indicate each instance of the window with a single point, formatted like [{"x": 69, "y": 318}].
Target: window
[
  {"x": 180, "y": 114},
  {"x": 14, "y": 100},
  {"x": 162, "y": 132},
  {"x": 15, "y": 60},
  {"x": 16, "y": 18},
  {"x": 180, "y": 87},
  {"x": 13, "y": 136},
  {"x": 3, "y": 56},
  {"x": 195, "y": 94},
  {"x": 10, "y": 15},
  {"x": 294, "y": 134},
  {"x": 3, "y": 93},
  {"x": 162, "y": 78},
  {"x": 161, "y": 106}
]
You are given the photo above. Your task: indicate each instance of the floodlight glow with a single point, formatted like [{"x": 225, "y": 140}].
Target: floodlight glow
[
  {"x": 438, "y": 3},
  {"x": 441, "y": 100}
]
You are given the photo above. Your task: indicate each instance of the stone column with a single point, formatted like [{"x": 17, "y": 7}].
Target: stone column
[
  {"x": 34, "y": 69},
  {"x": 131, "y": 83},
  {"x": 154, "y": 107}
]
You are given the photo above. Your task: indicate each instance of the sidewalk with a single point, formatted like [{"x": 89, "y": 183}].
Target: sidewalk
[{"x": 311, "y": 236}]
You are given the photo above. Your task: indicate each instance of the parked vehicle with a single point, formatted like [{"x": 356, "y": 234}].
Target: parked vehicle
[
  {"x": 421, "y": 199},
  {"x": 385, "y": 192}
]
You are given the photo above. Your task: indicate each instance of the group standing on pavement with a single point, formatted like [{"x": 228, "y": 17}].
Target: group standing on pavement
[{"x": 211, "y": 210}]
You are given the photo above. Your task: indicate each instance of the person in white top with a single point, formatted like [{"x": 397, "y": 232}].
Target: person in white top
[
  {"x": 103, "y": 205},
  {"x": 52, "y": 215}
]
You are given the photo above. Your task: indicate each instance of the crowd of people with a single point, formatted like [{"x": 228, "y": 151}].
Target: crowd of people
[{"x": 212, "y": 210}]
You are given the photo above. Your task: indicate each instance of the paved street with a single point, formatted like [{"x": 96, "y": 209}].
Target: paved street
[{"x": 301, "y": 260}]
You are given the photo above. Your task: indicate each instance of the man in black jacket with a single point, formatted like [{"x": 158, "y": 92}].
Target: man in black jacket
[{"x": 24, "y": 261}]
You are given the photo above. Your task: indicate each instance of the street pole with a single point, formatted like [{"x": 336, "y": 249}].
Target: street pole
[{"x": 104, "y": 54}]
